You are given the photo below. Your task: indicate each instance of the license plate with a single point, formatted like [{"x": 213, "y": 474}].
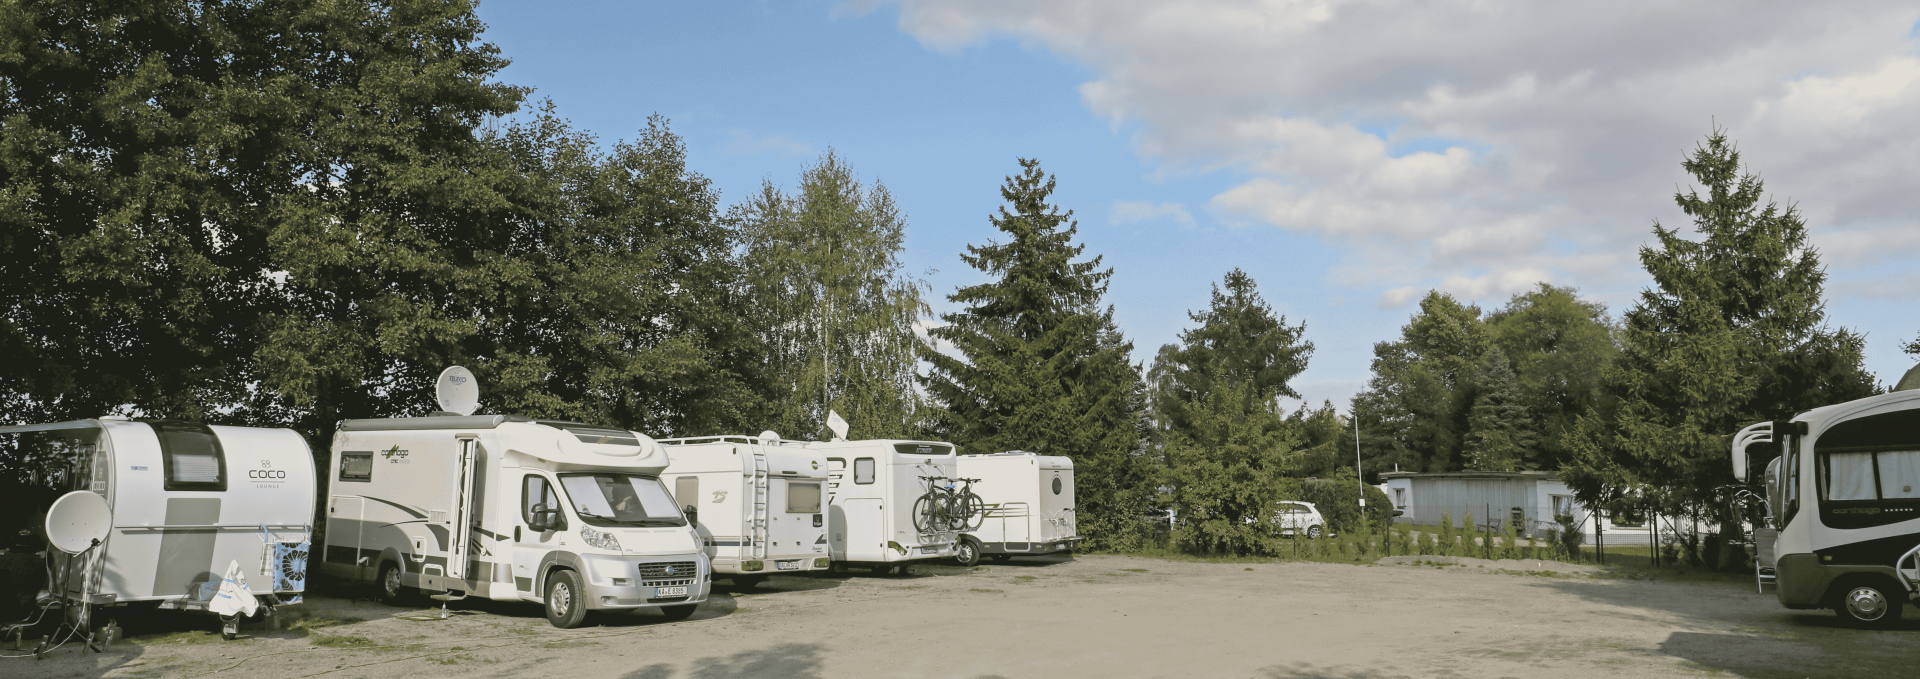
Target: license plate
[
  {"x": 669, "y": 591},
  {"x": 793, "y": 565},
  {"x": 929, "y": 550}
]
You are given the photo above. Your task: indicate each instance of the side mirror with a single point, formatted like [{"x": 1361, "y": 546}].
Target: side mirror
[
  {"x": 544, "y": 519},
  {"x": 693, "y": 514}
]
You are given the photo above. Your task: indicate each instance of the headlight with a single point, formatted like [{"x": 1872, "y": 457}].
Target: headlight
[{"x": 600, "y": 539}]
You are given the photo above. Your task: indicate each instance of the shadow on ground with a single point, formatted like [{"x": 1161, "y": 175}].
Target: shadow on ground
[
  {"x": 794, "y": 661},
  {"x": 1856, "y": 653}
]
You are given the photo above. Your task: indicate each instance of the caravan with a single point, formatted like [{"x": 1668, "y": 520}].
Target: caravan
[
  {"x": 758, "y": 503},
  {"x": 509, "y": 508},
  {"x": 1843, "y": 505},
  {"x": 1029, "y": 506},
  {"x": 873, "y": 488},
  {"x": 184, "y": 503}
]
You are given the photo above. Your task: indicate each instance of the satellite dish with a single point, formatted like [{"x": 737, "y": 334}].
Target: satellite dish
[
  {"x": 457, "y": 390},
  {"x": 838, "y": 425},
  {"x": 77, "y": 520},
  {"x": 769, "y": 436}
]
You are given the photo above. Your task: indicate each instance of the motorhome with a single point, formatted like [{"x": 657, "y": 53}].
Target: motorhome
[
  {"x": 509, "y": 508},
  {"x": 1843, "y": 495},
  {"x": 872, "y": 488},
  {"x": 1029, "y": 506},
  {"x": 758, "y": 503},
  {"x": 186, "y": 501}
]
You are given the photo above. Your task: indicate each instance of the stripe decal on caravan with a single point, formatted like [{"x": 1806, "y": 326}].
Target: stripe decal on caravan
[{"x": 186, "y": 557}]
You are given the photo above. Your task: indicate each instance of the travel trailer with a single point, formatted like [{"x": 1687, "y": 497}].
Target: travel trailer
[
  {"x": 758, "y": 503},
  {"x": 184, "y": 502},
  {"x": 1029, "y": 506},
  {"x": 509, "y": 508},
  {"x": 872, "y": 487},
  {"x": 1844, "y": 498}
]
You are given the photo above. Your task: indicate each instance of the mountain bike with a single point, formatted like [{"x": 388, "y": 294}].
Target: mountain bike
[
  {"x": 966, "y": 508},
  {"x": 933, "y": 511}
]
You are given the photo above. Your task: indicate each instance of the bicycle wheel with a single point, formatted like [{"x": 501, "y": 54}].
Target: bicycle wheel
[
  {"x": 974, "y": 510},
  {"x": 923, "y": 512}
]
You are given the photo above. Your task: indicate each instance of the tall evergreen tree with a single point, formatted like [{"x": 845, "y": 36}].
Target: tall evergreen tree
[
  {"x": 1732, "y": 332},
  {"x": 835, "y": 307},
  {"x": 1041, "y": 365},
  {"x": 1499, "y": 431}
]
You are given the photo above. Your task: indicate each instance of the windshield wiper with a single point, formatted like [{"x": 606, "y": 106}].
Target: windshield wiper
[{"x": 661, "y": 522}]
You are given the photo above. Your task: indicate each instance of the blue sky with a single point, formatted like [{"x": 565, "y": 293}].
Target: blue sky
[{"x": 1345, "y": 180}]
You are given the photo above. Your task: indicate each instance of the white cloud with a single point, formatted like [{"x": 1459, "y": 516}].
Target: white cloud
[
  {"x": 1127, "y": 212},
  {"x": 1479, "y": 147},
  {"x": 1897, "y": 286}
]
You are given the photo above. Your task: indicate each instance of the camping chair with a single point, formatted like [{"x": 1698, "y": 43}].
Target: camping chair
[{"x": 1763, "y": 556}]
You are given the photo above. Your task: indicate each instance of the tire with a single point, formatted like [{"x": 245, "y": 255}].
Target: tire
[
  {"x": 967, "y": 553},
  {"x": 1313, "y": 532},
  {"x": 566, "y": 601},
  {"x": 1869, "y": 604},
  {"x": 923, "y": 510},
  {"x": 680, "y": 612},
  {"x": 388, "y": 586},
  {"x": 747, "y": 581}
]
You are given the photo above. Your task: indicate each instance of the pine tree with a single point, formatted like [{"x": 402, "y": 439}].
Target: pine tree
[
  {"x": 1041, "y": 365},
  {"x": 1499, "y": 433}
]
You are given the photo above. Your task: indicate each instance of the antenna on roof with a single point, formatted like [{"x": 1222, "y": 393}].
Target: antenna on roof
[{"x": 457, "y": 390}]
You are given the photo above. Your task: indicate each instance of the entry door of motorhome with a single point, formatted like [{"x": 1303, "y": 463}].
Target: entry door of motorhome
[
  {"x": 530, "y": 546},
  {"x": 865, "y": 538},
  {"x": 343, "y": 532}
]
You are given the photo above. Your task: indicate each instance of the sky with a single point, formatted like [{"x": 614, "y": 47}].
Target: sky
[{"x": 1348, "y": 155}]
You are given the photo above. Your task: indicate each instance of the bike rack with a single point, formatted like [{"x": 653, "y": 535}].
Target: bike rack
[{"x": 1909, "y": 577}]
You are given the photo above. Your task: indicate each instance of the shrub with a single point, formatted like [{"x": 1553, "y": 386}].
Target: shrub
[{"x": 1567, "y": 536}]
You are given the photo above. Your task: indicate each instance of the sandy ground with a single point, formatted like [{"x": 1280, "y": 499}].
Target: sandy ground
[{"x": 1094, "y": 616}]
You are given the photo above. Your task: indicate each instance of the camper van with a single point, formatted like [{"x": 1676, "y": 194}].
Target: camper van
[
  {"x": 509, "y": 508},
  {"x": 186, "y": 501},
  {"x": 872, "y": 487},
  {"x": 1843, "y": 505},
  {"x": 1029, "y": 506},
  {"x": 759, "y": 505}
]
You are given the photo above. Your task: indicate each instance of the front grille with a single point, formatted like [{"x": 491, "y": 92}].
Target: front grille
[{"x": 672, "y": 570}]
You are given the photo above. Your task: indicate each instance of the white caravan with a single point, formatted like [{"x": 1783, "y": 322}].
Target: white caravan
[
  {"x": 511, "y": 509},
  {"x": 758, "y": 504},
  {"x": 186, "y": 501},
  {"x": 871, "y": 489},
  {"x": 1029, "y": 506},
  {"x": 1844, "y": 496}
]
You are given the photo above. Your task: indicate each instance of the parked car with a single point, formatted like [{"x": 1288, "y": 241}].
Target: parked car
[{"x": 1293, "y": 517}]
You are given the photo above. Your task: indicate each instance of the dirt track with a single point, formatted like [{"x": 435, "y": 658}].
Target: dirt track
[{"x": 1097, "y": 616}]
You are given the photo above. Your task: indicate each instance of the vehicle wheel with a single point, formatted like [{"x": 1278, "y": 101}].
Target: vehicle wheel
[
  {"x": 681, "y": 612},
  {"x": 392, "y": 593},
  {"x": 1313, "y": 532},
  {"x": 1871, "y": 605},
  {"x": 967, "y": 553},
  {"x": 837, "y": 567},
  {"x": 747, "y": 581},
  {"x": 566, "y": 607}
]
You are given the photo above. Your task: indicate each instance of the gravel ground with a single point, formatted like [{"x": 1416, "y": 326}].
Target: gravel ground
[{"x": 1094, "y": 616}]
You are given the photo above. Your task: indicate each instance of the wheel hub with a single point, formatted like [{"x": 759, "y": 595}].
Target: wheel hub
[
  {"x": 562, "y": 599},
  {"x": 1866, "y": 603}
]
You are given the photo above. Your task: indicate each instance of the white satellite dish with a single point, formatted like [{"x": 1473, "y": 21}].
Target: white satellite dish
[
  {"x": 77, "y": 520},
  {"x": 457, "y": 390},
  {"x": 769, "y": 437},
  {"x": 838, "y": 425}
]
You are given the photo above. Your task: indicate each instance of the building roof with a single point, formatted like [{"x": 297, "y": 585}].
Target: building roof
[{"x": 1530, "y": 475}]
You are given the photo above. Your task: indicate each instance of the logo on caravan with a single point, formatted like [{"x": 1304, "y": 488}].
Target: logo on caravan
[
  {"x": 266, "y": 476},
  {"x": 395, "y": 455}
]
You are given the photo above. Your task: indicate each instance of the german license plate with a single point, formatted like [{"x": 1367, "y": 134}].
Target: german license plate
[
  {"x": 792, "y": 565},
  {"x": 929, "y": 550},
  {"x": 669, "y": 591}
]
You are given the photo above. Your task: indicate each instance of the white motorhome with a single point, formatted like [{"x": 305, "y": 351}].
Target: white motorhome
[
  {"x": 509, "y": 508},
  {"x": 1029, "y": 506},
  {"x": 759, "y": 505},
  {"x": 1844, "y": 498},
  {"x": 872, "y": 486},
  {"x": 186, "y": 500}
]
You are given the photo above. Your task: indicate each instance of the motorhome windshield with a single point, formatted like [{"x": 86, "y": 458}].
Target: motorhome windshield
[{"x": 610, "y": 499}]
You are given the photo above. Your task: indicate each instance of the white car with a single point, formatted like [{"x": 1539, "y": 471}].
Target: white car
[{"x": 1293, "y": 517}]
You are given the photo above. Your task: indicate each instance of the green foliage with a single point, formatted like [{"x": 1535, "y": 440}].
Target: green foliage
[
  {"x": 1462, "y": 391},
  {"x": 1732, "y": 332},
  {"x": 1041, "y": 365},
  {"x": 835, "y": 309}
]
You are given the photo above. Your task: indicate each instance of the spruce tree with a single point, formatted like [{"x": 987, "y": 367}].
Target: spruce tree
[
  {"x": 1499, "y": 432},
  {"x": 1041, "y": 366}
]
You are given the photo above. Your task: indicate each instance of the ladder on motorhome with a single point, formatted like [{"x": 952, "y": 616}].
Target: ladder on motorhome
[
  {"x": 1909, "y": 577},
  {"x": 757, "y": 530}
]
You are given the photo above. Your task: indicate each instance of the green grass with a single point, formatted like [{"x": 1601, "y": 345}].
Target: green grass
[
  {"x": 345, "y": 641},
  {"x": 987, "y": 591},
  {"x": 187, "y": 637}
]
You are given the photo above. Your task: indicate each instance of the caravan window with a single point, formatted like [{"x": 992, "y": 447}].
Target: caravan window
[
  {"x": 803, "y": 498},
  {"x": 535, "y": 491},
  {"x": 863, "y": 470},
  {"x": 192, "y": 456},
  {"x": 1888, "y": 475},
  {"x": 356, "y": 465}
]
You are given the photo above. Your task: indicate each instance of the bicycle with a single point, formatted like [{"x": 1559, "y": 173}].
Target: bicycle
[
  {"x": 933, "y": 511},
  {"x": 968, "y": 510}
]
